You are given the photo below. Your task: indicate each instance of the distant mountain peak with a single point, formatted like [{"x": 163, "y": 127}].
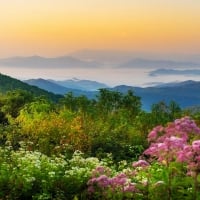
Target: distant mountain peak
[
  {"x": 166, "y": 72},
  {"x": 75, "y": 79},
  {"x": 73, "y": 84},
  {"x": 177, "y": 84},
  {"x": 157, "y": 63},
  {"x": 45, "y": 62}
]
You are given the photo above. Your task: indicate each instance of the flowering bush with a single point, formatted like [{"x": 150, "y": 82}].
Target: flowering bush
[
  {"x": 173, "y": 149},
  {"x": 184, "y": 128},
  {"x": 33, "y": 175},
  {"x": 190, "y": 154},
  {"x": 172, "y": 144},
  {"x": 103, "y": 185},
  {"x": 166, "y": 142}
]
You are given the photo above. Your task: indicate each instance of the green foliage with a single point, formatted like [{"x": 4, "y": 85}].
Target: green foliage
[
  {"x": 163, "y": 113},
  {"x": 77, "y": 123},
  {"x": 33, "y": 175},
  {"x": 113, "y": 123},
  {"x": 15, "y": 100},
  {"x": 8, "y": 84},
  {"x": 38, "y": 139},
  {"x": 118, "y": 138},
  {"x": 113, "y": 102},
  {"x": 3, "y": 118}
]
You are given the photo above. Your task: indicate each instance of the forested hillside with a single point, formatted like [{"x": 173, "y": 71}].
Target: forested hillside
[{"x": 9, "y": 84}]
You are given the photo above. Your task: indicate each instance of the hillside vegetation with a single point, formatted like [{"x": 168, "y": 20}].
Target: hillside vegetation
[
  {"x": 103, "y": 148},
  {"x": 8, "y": 84}
]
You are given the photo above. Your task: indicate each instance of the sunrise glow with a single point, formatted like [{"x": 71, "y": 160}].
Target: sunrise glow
[{"x": 57, "y": 27}]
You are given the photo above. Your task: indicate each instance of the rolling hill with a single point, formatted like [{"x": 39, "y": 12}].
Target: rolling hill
[
  {"x": 186, "y": 94},
  {"x": 47, "y": 85},
  {"x": 62, "y": 87},
  {"x": 78, "y": 84},
  {"x": 8, "y": 83},
  {"x": 52, "y": 86}
]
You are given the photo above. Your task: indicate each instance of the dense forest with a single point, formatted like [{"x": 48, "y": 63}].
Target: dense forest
[{"x": 102, "y": 148}]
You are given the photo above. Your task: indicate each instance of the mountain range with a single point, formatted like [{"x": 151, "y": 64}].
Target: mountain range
[
  {"x": 116, "y": 56},
  {"x": 186, "y": 94},
  {"x": 78, "y": 84},
  {"x": 152, "y": 63},
  {"x": 81, "y": 60},
  {"x": 78, "y": 87},
  {"x": 164, "y": 72},
  {"x": 38, "y": 62}
]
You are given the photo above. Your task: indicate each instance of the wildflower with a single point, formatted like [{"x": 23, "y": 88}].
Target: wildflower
[
  {"x": 103, "y": 181},
  {"x": 140, "y": 163},
  {"x": 196, "y": 145},
  {"x": 168, "y": 142},
  {"x": 131, "y": 187}
]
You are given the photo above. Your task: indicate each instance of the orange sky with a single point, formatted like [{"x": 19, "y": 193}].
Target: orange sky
[{"x": 51, "y": 28}]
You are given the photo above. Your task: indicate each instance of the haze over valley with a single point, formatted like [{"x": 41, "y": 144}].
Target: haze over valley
[{"x": 112, "y": 68}]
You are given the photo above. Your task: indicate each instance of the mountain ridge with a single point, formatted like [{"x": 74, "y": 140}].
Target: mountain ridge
[
  {"x": 51, "y": 86},
  {"x": 186, "y": 93},
  {"x": 81, "y": 84},
  {"x": 8, "y": 83},
  {"x": 38, "y": 61},
  {"x": 155, "y": 63},
  {"x": 81, "y": 61}
]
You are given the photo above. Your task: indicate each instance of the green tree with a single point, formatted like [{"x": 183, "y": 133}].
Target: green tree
[
  {"x": 69, "y": 101},
  {"x": 174, "y": 110},
  {"x": 3, "y": 118},
  {"x": 132, "y": 104},
  {"x": 14, "y": 100},
  {"x": 163, "y": 112},
  {"x": 109, "y": 101}
]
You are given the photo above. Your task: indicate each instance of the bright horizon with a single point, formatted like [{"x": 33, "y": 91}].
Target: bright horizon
[{"x": 50, "y": 28}]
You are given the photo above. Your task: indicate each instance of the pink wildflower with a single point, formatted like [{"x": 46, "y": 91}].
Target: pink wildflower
[
  {"x": 130, "y": 188},
  {"x": 169, "y": 141},
  {"x": 103, "y": 181},
  {"x": 196, "y": 145},
  {"x": 140, "y": 163}
]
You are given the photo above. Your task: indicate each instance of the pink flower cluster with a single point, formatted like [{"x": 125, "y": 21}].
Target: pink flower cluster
[
  {"x": 184, "y": 128},
  {"x": 190, "y": 154},
  {"x": 166, "y": 151},
  {"x": 177, "y": 142},
  {"x": 105, "y": 184},
  {"x": 140, "y": 163},
  {"x": 168, "y": 141}
]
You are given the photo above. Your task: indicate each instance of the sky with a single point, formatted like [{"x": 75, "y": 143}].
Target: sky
[{"x": 52, "y": 28}]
